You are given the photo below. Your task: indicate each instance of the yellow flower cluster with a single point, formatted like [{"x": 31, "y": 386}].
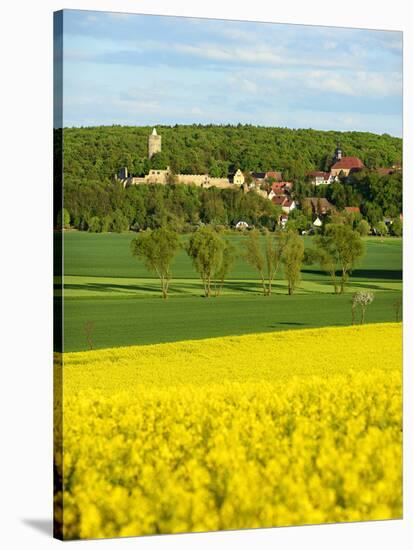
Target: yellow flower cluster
[{"x": 262, "y": 430}]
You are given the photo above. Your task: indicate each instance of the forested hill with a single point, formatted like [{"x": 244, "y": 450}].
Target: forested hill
[{"x": 94, "y": 154}]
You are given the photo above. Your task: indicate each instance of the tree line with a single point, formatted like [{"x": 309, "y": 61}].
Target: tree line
[
  {"x": 181, "y": 207},
  {"x": 336, "y": 251}
]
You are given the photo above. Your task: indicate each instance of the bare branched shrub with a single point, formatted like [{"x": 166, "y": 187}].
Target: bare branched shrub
[
  {"x": 89, "y": 327},
  {"x": 398, "y": 306},
  {"x": 361, "y": 299}
]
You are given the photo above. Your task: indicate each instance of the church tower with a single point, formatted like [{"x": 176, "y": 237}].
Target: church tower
[
  {"x": 154, "y": 144},
  {"x": 338, "y": 155}
]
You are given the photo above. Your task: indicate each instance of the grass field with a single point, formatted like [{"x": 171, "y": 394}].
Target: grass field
[
  {"x": 196, "y": 436},
  {"x": 105, "y": 285}
]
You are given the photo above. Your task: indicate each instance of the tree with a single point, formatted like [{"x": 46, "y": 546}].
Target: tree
[
  {"x": 255, "y": 257},
  {"x": 361, "y": 299},
  {"x": 272, "y": 258},
  {"x": 292, "y": 257},
  {"x": 205, "y": 248},
  {"x": 382, "y": 229},
  {"x": 396, "y": 228},
  {"x": 157, "y": 249},
  {"x": 95, "y": 225},
  {"x": 229, "y": 255},
  {"x": 363, "y": 228},
  {"x": 266, "y": 261},
  {"x": 338, "y": 250},
  {"x": 119, "y": 222}
]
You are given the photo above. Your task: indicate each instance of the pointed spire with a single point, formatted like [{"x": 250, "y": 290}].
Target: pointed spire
[{"x": 154, "y": 132}]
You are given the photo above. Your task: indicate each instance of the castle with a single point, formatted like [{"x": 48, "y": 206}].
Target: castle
[{"x": 164, "y": 177}]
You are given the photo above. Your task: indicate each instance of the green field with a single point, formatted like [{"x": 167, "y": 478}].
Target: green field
[{"x": 104, "y": 284}]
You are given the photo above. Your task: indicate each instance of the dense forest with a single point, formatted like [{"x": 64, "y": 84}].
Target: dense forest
[
  {"x": 97, "y": 153},
  {"x": 96, "y": 202}
]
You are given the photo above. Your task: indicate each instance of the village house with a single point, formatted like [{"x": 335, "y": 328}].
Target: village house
[
  {"x": 318, "y": 177},
  {"x": 277, "y": 176},
  {"x": 280, "y": 188},
  {"x": 287, "y": 203},
  {"x": 319, "y": 205},
  {"x": 238, "y": 178}
]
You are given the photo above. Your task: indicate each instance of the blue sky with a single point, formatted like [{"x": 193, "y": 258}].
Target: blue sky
[{"x": 148, "y": 70}]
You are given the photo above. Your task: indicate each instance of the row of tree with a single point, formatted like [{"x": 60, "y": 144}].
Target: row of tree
[
  {"x": 336, "y": 251},
  {"x": 180, "y": 207}
]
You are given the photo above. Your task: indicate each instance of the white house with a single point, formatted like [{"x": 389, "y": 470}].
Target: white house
[{"x": 321, "y": 178}]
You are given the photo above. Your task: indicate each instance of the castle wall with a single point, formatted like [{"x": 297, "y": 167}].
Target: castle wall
[{"x": 203, "y": 180}]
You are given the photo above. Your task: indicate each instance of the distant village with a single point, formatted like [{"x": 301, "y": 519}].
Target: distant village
[{"x": 269, "y": 185}]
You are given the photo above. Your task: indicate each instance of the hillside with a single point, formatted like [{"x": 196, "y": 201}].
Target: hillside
[{"x": 94, "y": 154}]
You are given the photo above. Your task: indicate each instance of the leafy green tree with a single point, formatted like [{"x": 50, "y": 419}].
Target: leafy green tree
[
  {"x": 363, "y": 228},
  {"x": 119, "y": 222},
  {"x": 292, "y": 258},
  {"x": 381, "y": 229},
  {"x": 95, "y": 225},
  {"x": 396, "y": 228},
  {"x": 338, "y": 250},
  {"x": 205, "y": 248},
  {"x": 337, "y": 195},
  {"x": 157, "y": 249},
  {"x": 272, "y": 253},
  {"x": 255, "y": 257},
  {"x": 265, "y": 259},
  {"x": 229, "y": 256}
]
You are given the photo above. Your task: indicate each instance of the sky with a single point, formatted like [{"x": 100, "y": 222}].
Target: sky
[{"x": 147, "y": 70}]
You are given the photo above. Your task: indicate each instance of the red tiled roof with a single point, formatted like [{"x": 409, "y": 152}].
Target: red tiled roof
[
  {"x": 354, "y": 209},
  {"x": 318, "y": 174},
  {"x": 276, "y": 175},
  {"x": 319, "y": 204},
  {"x": 279, "y": 200},
  {"x": 348, "y": 162}
]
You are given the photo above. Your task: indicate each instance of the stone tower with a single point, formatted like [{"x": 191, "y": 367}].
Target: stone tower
[{"x": 154, "y": 143}]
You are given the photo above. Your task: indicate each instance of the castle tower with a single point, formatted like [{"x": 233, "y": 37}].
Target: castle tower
[{"x": 154, "y": 143}]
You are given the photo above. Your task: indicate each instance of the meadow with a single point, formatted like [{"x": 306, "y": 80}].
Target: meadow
[
  {"x": 194, "y": 436},
  {"x": 104, "y": 284}
]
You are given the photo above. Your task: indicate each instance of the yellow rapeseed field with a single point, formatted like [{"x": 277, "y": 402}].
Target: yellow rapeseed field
[{"x": 261, "y": 430}]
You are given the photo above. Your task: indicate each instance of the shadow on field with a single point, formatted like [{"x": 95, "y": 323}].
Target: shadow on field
[
  {"x": 389, "y": 274},
  {"x": 288, "y": 323}
]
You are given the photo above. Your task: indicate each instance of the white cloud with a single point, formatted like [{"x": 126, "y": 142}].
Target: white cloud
[{"x": 119, "y": 15}]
